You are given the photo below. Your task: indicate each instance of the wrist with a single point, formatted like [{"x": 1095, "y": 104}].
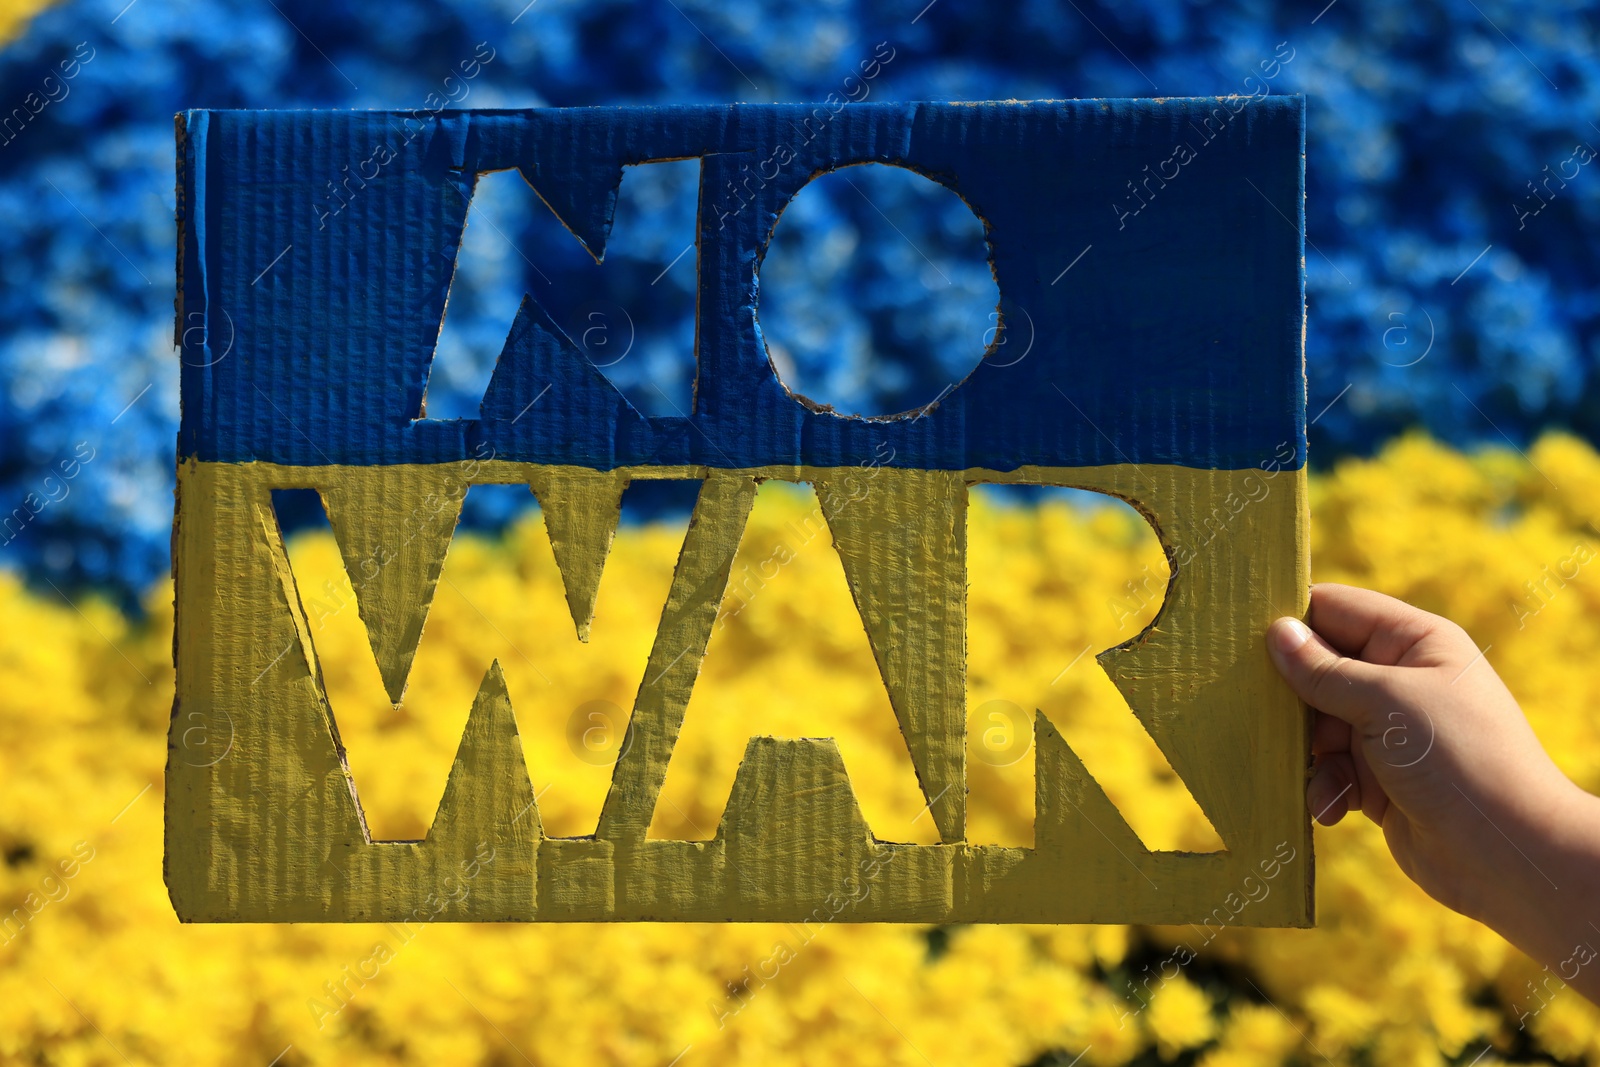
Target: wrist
[{"x": 1535, "y": 894}]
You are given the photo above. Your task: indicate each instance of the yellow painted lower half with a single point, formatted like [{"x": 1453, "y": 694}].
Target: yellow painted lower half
[{"x": 273, "y": 830}]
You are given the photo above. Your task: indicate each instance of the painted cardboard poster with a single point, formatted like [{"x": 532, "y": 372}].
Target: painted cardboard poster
[{"x": 1169, "y": 375}]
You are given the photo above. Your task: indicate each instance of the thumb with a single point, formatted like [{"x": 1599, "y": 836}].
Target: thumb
[{"x": 1345, "y": 688}]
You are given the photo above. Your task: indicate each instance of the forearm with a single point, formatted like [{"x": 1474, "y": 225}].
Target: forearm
[{"x": 1540, "y": 889}]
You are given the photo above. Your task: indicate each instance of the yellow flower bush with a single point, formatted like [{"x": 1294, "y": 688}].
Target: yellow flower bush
[{"x": 95, "y": 969}]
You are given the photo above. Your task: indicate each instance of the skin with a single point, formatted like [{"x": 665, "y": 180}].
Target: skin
[{"x": 1415, "y": 730}]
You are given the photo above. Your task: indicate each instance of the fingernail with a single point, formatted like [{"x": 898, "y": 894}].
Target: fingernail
[
  {"x": 1324, "y": 804},
  {"x": 1289, "y": 634}
]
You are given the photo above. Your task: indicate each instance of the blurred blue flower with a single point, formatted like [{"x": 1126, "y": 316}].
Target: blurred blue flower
[{"x": 1435, "y": 129}]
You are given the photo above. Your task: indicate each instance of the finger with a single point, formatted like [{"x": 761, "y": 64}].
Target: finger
[
  {"x": 1370, "y": 626},
  {"x": 1374, "y": 802},
  {"x": 1329, "y": 734},
  {"x": 1329, "y": 682},
  {"x": 1333, "y": 789}
]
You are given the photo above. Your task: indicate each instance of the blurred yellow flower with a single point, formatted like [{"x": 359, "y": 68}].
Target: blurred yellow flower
[
  {"x": 94, "y": 968},
  {"x": 1179, "y": 1017}
]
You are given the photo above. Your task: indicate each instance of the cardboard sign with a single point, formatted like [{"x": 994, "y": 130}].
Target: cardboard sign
[{"x": 1167, "y": 371}]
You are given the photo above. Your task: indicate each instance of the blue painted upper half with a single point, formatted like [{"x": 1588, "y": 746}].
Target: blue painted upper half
[{"x": 317, "y": 251}]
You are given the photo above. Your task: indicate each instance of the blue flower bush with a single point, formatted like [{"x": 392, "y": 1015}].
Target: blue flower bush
[{"x": 1453, "y": 280}]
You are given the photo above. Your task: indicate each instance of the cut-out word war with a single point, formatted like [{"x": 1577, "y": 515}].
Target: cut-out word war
[{"x": 1166, "y": 368}]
